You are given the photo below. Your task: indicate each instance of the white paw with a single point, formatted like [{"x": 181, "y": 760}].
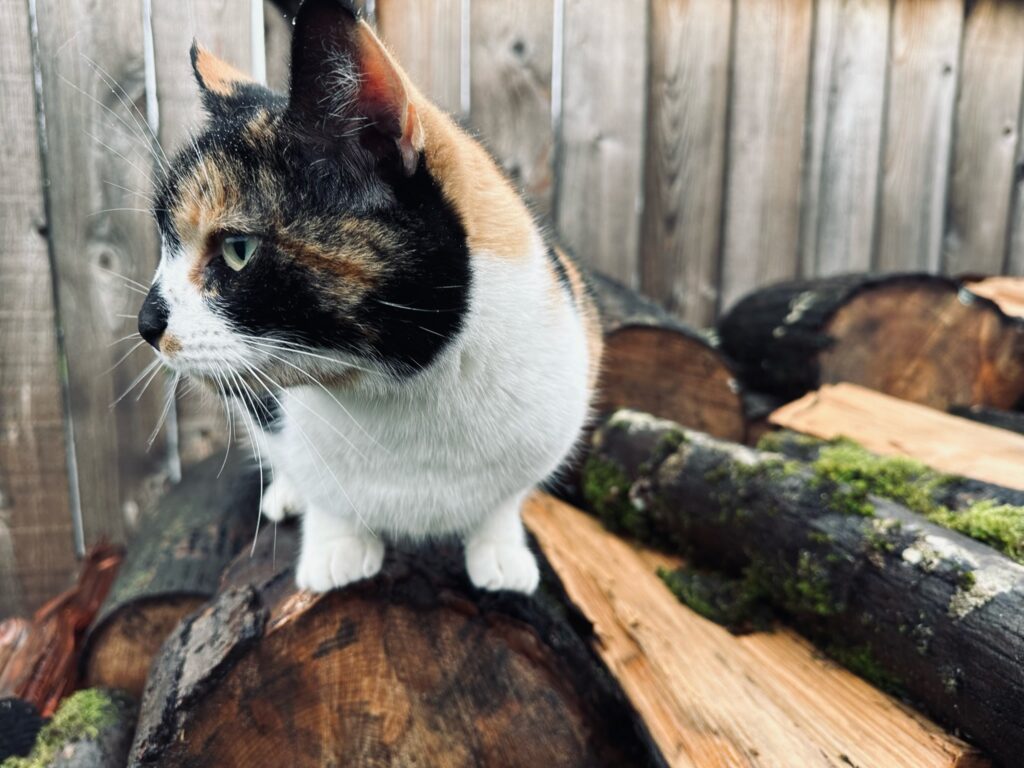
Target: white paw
[
  {"x": 326, "y": 565},
  {"x": 496, "y": 566},
  {"x": 280, "y": 501}
]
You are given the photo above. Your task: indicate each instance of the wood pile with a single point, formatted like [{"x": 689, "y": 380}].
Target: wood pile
[{"x": 712, "y": 619}]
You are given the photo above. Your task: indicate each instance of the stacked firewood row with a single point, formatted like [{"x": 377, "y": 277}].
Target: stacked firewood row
[{"x": 908, "y": 574}]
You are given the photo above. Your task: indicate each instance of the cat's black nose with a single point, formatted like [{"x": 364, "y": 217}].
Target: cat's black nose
[{"x": 153, "y": 318}]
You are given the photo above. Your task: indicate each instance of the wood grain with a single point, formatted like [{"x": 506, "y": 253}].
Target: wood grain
[
  {"x": 845, "y": 118},
  {"x": 99, "y": 165},
  {"x": 684, "y": 168},
  {"x": 894, "y": 427},
  {"x": 601, "y": 135},
  {"x": 37, "y": 556},
  {"x": 986, "y": 137},
  {"x": 223, "y": 27},
  {"x": 712, "y": 699},
  {"x": 767, "y": 106},
  {"x": 924, "y": 61},
  {"x": 510, "y": 90},
  {"x": 426, "y": 36}
]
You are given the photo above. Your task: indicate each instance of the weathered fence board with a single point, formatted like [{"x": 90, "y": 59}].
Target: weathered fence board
[
  {"x": 845, "y": 117},
  {"x": 600, "y": 146},
  {"x": 223, "y": 27},
  {"x": 986, "y": 135},
  {"x": 103, "y": 241},
  {"x": 427, "y": 38},
  {"x": 769, "y": 93},
  {"x": 510, "y": 90},
  {"x": 37, "y": 553},
  {"x": 924, "y": 58},
  {"x": 685, "y": 158},
  {"x": 277, "y": 42}
]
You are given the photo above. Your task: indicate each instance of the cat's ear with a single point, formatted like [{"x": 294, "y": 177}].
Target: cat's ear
[
  {"x": 343, "y": 81},
  {"x": 223, "y": 88}
]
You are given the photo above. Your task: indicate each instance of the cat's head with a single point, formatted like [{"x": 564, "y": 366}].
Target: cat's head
[{"x": 304, "y": 236}]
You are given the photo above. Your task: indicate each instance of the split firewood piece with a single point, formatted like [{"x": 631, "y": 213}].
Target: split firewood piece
[
  {"x": 894, "y": 427},
  {"x": 172, "y": 567},
  {"x": 658, "y": 364},
  {"x": 414, "y": 667},
  {"x": 917, "y": 337},
  {"x": 918, "y": 607},
  {"x": 712, "y": 699},
  {"x": 40, "y": 657},
  {"x": 1006, "y": 292}
]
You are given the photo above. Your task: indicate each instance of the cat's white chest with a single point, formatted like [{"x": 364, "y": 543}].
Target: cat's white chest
[{"x": 492, "y": 416}]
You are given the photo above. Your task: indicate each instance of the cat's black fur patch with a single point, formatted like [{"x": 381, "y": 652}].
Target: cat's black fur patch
[{"x": 420, "y": 293}]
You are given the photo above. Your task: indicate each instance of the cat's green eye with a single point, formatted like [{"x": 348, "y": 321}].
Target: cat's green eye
[{"x": 237, "y": 250}]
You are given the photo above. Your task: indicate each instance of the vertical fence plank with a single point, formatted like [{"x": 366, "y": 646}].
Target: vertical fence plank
[
  {"x": 600, "y": 143},
  {"x": 986, "y": 137},
  {"x": 427, "y": 38},
  {"x": 1015, "y": 246},
  {"x": 278, "y": 37},
  {"x": 98, "y": 160},
  {"x": 510, "y": 90},
  {"x": 845, "y": 117},
  {"x": 768, "y": 102},
  {"x": 223, "y": 26},
  {"x": 37, "y": 554},
  {"x": 924, "y": 60},
  {"x": 685, "y": 158}
]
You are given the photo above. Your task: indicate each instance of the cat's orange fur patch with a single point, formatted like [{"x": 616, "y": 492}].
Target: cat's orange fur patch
[
  {"x": 170, "y": 345},
  {"x": 217, "y": 75},
  {"x": 351, "y": 265},
  {"x": 591, "y": 317}
]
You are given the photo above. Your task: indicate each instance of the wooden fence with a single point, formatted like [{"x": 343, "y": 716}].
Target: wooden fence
[{"x": 692, "y": 148}]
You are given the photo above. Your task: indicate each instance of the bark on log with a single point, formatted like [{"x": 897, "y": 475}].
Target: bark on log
[
  {"x": 655, "y": 363},
  {"x": 413, "y": 668},
  {"x": 917, "y": 337},
  {"x": 932, "y": 613},
  {"x": 173, "y": 566}
]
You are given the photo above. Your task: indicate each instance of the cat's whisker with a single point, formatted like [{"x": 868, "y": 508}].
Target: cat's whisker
[
  {"x": 137, "y": 380},
  {"x": 124, "y": 357},
  {"x": 113, "y": 151},
  {"x": 141, "y": 124},
  {"x": 244, "y": 389},
  {"x": 145, "y": 386},
  {"x": 123, "y": 339},
  {"x": 254, "y": 372},
  {"x": 147, "y": 211},
  {"x": 414, "y": 309},
  {"x": 428, "y": 330},
  {"x": 328, "y": 393},
  {"x": 171, "y": 391},
  {"x": 147, "y": 197},
  {"x": 129, "y": 282}
]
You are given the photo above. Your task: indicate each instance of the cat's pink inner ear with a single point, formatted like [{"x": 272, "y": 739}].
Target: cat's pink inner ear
[
  {"x": 383, "y": 98},
  {"x": 214, "y": 74}
]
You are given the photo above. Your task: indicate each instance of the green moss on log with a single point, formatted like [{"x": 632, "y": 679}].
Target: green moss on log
[
  {"x": 733, "y": 603},
  {"x": 81, "y": 717},
  {"x": 999, "y": 525},
  {"x": 861, "y": 661},
  {"x": 606, "y": 491}
]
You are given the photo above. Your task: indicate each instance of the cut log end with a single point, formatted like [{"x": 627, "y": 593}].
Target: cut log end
[{"x": 414, "y": 666}]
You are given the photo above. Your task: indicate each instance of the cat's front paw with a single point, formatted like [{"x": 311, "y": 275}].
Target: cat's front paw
[
  {"x": 495, "y": 566},
  {"x": 280, "y": 500},
  {"x": 329, "y": 564}
]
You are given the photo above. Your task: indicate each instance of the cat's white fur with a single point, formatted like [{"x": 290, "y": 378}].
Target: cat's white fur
[{"x": 453, "y": 450}]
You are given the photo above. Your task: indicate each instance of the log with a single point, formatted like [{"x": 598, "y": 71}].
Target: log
[
  {"x": 413, "y": 666},
  {"x": 173, "y": 566},
  {"x": 915, "y": 336},
  {"x": 917, "y": 607},
  {"x": 39, "y": 658},
  {"x": 894, "y": 427},
  {"x": 712, "y": 699},
  {"x": 655, "y": 363},
  {"x": 91, "y": 729},
  {"x": 20, "y": 722}
]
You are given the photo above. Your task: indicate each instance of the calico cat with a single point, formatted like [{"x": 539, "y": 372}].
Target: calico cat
[{"x": 355, "y": 270}]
